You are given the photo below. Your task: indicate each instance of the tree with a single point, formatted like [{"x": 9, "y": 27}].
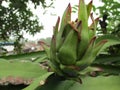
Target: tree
[
  {"x": 110, "y": 21},
  {"x": 109, "y": 13},
  {"x": 16, "y": 18}
]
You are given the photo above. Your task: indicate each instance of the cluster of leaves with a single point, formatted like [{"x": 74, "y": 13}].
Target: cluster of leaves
[
  {"x": 110, "y": 21},
  {"x": 110, "y": 12},
  {"x": 33, "y": 68},
  {"x": 16, "y": 18},
  {"x": 21, "y": 69}
]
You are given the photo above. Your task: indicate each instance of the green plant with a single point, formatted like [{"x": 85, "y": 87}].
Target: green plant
[
  {"x": 75, "y": 46},
  {"x": 23, "y": 69},
  {"x": 109, "y": 21},
  {"x": 109, "y": 11},
  {"x": 74, "y": 54}
]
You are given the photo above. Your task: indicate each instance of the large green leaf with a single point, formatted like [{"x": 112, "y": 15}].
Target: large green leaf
[
  {"x": 38, "y": 81},
  {"x": 111, "y": 40},
  {"x": 65, "y": 19},
  {"x": 89, "y": 83},
  {"x": 108, "y": 69},
  {"x": 24, "y": 56},
  {"x": 55, "y": 82},
  {"x": 107, "y": 59},
  {"x": 67, "y": 53},
  {"x": 25, "y": 70},
  {"x": 101, "y": 83},
  {"x": 83, "y": 29}
]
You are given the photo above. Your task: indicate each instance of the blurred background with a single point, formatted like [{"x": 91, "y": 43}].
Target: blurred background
[{"x": 23, "y": 23}]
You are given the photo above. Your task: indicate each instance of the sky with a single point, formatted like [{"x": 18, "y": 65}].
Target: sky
[{"x": 49, "y": 19}]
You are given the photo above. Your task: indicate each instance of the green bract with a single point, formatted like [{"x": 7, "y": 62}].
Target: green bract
[{"x": 74, "y": 45}]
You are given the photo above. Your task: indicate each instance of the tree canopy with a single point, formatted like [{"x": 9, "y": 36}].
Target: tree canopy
[
  {"x": 110, "y": 21},
  {"x": 16, "y": 17}
]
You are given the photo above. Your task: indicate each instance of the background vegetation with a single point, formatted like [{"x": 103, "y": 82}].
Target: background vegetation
[{"x": 16, "y": 19}]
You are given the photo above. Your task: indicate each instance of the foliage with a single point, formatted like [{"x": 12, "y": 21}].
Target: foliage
[
  {"x": 75, "y": 45},
  {"x": 24, "y": 72},
  {"x": 23, "y": 69},
  {"x": 109, "y": 12},
  {"x": 17, "y": 18},
  {"x": 76, "y": 55},
  {"x": 90, "y": 83},
  {"x": 110, "y": 21}
]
